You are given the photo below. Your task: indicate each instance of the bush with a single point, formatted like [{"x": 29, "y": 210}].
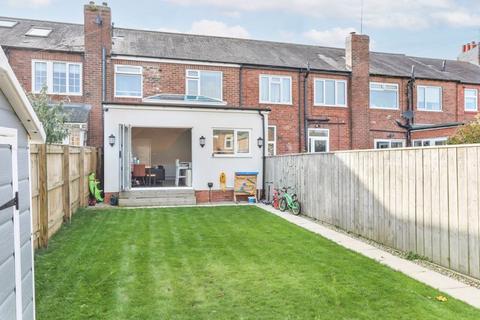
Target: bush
[
  {"x": 52, "y": 117},
  {"x": 467, "y": 134}
]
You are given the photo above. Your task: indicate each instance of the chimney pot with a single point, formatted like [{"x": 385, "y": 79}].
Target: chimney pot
[
  {"x": 469, "y": 46},
  {"x": 104, "y": 4},
  {"x": 464, "y": 48}
]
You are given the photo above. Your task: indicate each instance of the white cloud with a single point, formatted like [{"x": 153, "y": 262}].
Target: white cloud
[
  {"x": 212, "y": 28},
  {"x": 408, "y": 14},
  {"x": 331, "y": 38},
  {"x": 29, "y": 3},
  {"x": 217, "y": 28}
]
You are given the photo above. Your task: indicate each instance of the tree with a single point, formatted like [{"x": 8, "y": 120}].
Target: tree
[
  {"x": 51, "y": 115},
  {"x": 467, "y": 134}
]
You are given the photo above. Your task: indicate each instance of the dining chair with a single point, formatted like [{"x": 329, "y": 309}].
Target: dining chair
[{"x": 139, "y": 172}]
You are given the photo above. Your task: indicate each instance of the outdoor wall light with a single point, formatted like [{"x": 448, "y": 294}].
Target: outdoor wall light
[
  {"x": 111, "y": 140},
  {"x": 202, "y": 141},
  {"x": 260, "y": 142}
]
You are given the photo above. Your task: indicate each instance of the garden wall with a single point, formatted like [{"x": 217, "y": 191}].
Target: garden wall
[
  {"x": 59, "y": 183},
  {"x": 423, "y": 200}
]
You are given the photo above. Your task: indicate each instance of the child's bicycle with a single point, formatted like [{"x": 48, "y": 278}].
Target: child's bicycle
[{"x": 289, "y": 201}]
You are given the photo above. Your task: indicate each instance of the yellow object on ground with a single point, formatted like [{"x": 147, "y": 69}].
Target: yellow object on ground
[{"x": 441, "y": 298}]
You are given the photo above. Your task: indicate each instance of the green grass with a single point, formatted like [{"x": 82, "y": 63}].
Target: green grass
[{"x": 218, "y": 263}]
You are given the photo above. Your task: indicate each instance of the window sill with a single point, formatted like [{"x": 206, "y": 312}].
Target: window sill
[
  {"x": 329, "y": 106},
  {"x": 386, "y": 109},
  {"x": 277, "y": 103},
  {"x": 422, "y": 110},
  {"x": 232, "y": 155},
  {"x": 128, "y": 97},
  {"x": 471, "y": 111},
  {"x": 60, "y": 94}
]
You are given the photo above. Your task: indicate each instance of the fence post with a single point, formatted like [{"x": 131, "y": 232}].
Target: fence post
[
  {"x": 43, "y": 195},
  {"x": 81, "y": 187},
  {"x": 67, "y": 211}
]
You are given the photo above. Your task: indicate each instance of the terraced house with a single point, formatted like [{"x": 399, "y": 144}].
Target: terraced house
[{"x": 190, "y": 107}]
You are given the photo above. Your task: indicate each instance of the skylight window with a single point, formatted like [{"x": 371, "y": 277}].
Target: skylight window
[
  {"x": 7, "y": 23},
  {"x": 38, "y": 32}
]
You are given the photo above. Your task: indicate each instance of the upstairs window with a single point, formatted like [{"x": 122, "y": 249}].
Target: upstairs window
[
  {"x": 383, "y": 95},
  {"x": 38, "y": 32},
  {"x": 204, "y": 83},
  {"x": 275, "y": 89},
  {"x": 471, "y": 99},
  {"x": 231, "y": 142},
  {"x": 429, "y": 98},
  {"x": 331, "y": 93},
  {"x": 7, "y": 23},
  {"x": 62, "y": 78},
  {"x": 128, "y": 81}
]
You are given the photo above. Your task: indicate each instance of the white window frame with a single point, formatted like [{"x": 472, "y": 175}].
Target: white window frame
[
  {"x": 383, "y": 84},
  {"x": 431, "y": 140},
  {"x": 274, "y": 141},
  {"x": 465, "y": 99},
  {"x": 389, "y": 141},
  {"x": 315, "y": 138},
  {"x": 140, "y": 68},
  {"x": 235, "y": 154},
  {"x": 198, "y": 78},
  {"x": 50, "y": 64},
  {"x": 423, "y": 108},
  {"x": 269, "y": 77},
  {"x": 336, "y": 105}
]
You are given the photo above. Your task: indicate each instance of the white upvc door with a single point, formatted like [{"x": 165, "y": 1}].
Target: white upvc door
[
  {"x": 125, "y": 141},
  {"x": 8, "y": 139}
]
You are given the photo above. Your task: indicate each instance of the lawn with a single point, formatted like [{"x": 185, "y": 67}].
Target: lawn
[{"x": 218, "y": 263}]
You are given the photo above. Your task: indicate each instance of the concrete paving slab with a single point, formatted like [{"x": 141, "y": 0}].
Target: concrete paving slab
[{"x": 452, "y": 287}]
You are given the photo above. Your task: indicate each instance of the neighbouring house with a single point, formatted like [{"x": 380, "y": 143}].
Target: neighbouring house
[
  {"x": 19, "y": 126},
  {"x": 77, "y": 123},
  {"x": 318, "y": 98}
]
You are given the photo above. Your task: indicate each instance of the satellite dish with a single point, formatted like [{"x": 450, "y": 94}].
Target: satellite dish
[{"x": 408, "y": 114}]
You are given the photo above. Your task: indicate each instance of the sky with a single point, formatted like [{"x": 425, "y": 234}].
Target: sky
[{"x": 425, "y": 28}]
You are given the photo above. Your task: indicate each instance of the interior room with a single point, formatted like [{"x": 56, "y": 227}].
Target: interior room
[{"x": 161, "y": 157}]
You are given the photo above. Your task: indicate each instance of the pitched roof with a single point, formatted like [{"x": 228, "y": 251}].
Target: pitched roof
[
  {"x": 69, "y": 37},
  {"x": 12, "y": 89}
]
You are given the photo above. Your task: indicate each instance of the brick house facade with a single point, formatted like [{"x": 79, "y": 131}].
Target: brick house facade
[{"x": 98, "y": 46}]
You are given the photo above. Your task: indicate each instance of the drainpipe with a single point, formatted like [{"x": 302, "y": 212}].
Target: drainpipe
[
  {"x": 305, "y": 120},
  {"x": 262, "y": 196},
  {"x": 299, "y": 112},
  {"x": 104, "y": 77}
]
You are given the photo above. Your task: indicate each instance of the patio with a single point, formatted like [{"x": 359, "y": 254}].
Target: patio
[{"x": 218, "y": 263}]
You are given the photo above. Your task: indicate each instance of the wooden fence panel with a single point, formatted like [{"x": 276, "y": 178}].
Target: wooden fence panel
[
  {"x": 423, "y": 200},
  {"x": 59, "y": 178}
]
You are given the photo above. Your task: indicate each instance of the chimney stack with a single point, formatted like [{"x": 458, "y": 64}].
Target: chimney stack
[
  {"x": 357, "y": 60},
  {"x": 98, "y": 45},
  {"x": 470, "y": 53}
]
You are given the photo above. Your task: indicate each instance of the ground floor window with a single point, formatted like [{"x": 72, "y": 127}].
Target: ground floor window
[
  {"x": 430, "y": 142},
  {"x": 318, "y": 140},
  {"x": 389, "y": 143},
  {"x": 231, "y": 141},
  {"x": 272, "y": 140}
]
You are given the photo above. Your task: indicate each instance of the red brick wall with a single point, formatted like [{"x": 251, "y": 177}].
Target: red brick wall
[
  {"x": 216, "y": 196},
  {"x": 21, "y": 62},
  {"x": 285, "y": 117},
  {"x": 171, "y": 78},
  {"x": 338, "y": 117}
]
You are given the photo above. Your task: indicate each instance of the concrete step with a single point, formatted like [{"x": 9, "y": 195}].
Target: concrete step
[{"x": 155, "y": 202}]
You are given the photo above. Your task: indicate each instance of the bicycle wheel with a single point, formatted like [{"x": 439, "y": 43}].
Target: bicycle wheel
[
  {"x": 296, "y": 207},
  {"x": 282, "y": 205}
]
